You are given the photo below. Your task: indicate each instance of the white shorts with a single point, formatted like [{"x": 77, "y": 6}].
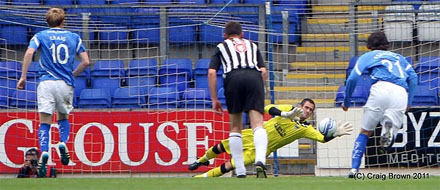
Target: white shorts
[
  {"x": 54, "y": 94},
  {"x": 386, "y": 102}
]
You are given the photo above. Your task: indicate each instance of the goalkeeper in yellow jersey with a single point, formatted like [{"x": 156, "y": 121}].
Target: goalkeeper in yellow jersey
[{"x": 289, "y": 125}]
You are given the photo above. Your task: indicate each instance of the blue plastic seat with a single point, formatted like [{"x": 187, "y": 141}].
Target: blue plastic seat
[
  {"x": 4, "y": 98},
  {"x": 10, "y": 69},
  {"x": 201, "y": 74},
  {"x": 211, "y": 34},
  {"x": 425, "y": 96},
  {"x": 358, "y": 98},
  {"x": 114, "y": 35},
  {"x": 14, "y": 34},
  {"x": 149, "y": 34},
  {"x": 126, "y": 2},
  {"x": 428, "y": 64},
  {"x": 158, "y": 1},
  {"x": 181, "y": 33},
  {"x": 221, "y": 97},
  {"x": 26, "y": 2},
  {"x": 351, "y": 65},
  {"x": 191, "y": 2},
  {"x": 82, "y": 81},
  {"x": 142, "y": 73},
  {"x": 196, "y": 98},
  {"x": 175, "y": 73},
  {"x": 91, "y": 2},
  {"x": 25, "y": 99},
  {"x": 163, "y": 98},
  {"x": 429, "y": 79},
  {"x": 108, "y": 74},
  {"x": 224, "y": 1},
  {"x": 58, "y": 2},
  {"x": 129, "y": 97},
  {"x": 9, "y": 85},
  {"x": 94, "y": 98}
]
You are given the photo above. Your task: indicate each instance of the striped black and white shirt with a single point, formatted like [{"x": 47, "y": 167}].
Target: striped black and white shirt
[{"x": 235, "y": 54}]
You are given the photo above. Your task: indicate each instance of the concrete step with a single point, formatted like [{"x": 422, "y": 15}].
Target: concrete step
[
  {"x": 306, "y": 88},
  {"x": 295, "y": 101},
  {"x": 343, "y": 8},
  {"x": 330, "y": 37},
  {"x": 312, "y": 79},
  {"x": 311, "y": 65}
]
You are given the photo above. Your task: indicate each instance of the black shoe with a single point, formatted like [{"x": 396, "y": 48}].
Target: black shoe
[
  {"x": 352, "y": 173},
  {"x": 42, "y": 165},
  {"x": 241, "y": 176},
  {"x": 261, "y": 170},
  {"x": 65, "y": 157},
  {"x": 196, "y": 165}
]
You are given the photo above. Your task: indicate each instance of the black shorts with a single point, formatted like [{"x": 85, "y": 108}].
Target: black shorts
[{"x": 244, "y": 91}]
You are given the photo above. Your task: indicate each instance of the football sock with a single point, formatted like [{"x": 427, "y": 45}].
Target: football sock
[
  {"x": 43, "y": 136},
  {"x": 236, "y": 146},
  {"x": 64, "y": 130},
  {"x": 358, "y": 151},
  {"x": 260, "y": 142}
]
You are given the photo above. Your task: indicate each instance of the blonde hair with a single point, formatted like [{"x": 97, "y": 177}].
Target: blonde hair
[{"x": 55, "y": 17}]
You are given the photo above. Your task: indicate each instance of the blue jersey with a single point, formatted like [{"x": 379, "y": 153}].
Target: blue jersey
[
  {"x": 58, "y": 50},
  {"x": 383, "y": 66}
]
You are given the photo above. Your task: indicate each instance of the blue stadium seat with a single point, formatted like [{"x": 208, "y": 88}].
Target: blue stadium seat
[
  {"x": 58, "y": 2},
  {"x": 196, "y": 98},
  {"x": 10, "y": 69},
  {"x": 429, "y": 79},
  {"x": 224, "y": 1},
  {"x": 3, "y": 2},
  {"x": 26, "y": 99},
  {"x": 163, "y": 98},
  {"x": 8, "y": 84},
  {"x": 278, "y": 28},
  {"x": 299, "y": 5},
  {"x": 142, "y": 73},
  {"x": 181, "y": 33},
  {"x": 425, "y": 96},
  {"x": 254, "y": 2},
  {"x": 428, "y": 64},
  {"x": 146, "y": 34},
  {"x": 201, "y": 74},
  {"x": 351, "y": 65},
  {"x": 108, "y": 74},
  {"x": 4, "y": 98},
  {"x": 175, "y": 73},
  {"x": 94, "y": 98},
  {"x": 358, "y": 98},
  {"x": 221, "y": 96},
  {"x": 211, "y": 34},
  {"x": 82, "y": 81},
  {"x": 191, "y": 2},
  {"x": 416, "y": 5},
  {"x": 126, "y": 2},
  {"x": 26, "y": 2},
  {"x": 129, "y": 97},
  {"x": 33, "y": 71},
  {"x": 158, "y": 1},
  {"x": 91, "y": 2},
  {"x": 14, "y": 34},
  {"x": 114, "y": 35}
]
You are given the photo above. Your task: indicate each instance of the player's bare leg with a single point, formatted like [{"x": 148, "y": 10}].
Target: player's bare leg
[{"x": 260, "y": 142}]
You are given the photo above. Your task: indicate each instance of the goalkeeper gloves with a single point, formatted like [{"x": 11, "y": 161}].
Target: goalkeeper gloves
[
  {"x": 292, "y": 114},
  {"x": 343, "y": 129}
]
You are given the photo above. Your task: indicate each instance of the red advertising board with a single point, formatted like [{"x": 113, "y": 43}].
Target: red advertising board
[{"x": 123, "y": 141}]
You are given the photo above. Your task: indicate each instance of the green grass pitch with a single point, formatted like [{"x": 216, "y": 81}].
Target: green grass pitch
[{"x": 291, "y": 183}]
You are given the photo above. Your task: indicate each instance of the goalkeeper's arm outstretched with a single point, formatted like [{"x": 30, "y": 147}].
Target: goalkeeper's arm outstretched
[{"x": 289, "y": 125}]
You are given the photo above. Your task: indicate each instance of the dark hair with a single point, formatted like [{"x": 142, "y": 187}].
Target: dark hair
[
  {"x": 308, "y": 100},
  {"x": 232, "y": 28},
  {"x": 32, "y": 151},
  {"x": 377, "y": 41}
]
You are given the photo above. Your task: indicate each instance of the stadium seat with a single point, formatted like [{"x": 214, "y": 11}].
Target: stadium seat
[
  {"x": 33, "y": 71},
  {"x": 351, "y": 65},
  {"x": 211, "y": 34},
  {"x": 163, "y": 98},
  {"x": 82, "y": 81},
  {"x": 4, "y": 98},
  {"x": 158, "y": 1},
  {"x": 191, "y": 2},
  {"x": 26, "y": 99},
  {"x": 129, "y": 97},
  {"x": 398, "y": 26},
  {"x": 182, "y": 33},
  {"x": 91, "y": 2},
  {"x": 425, "y": 96},
  {"x": 175, "y": 73},
  {"x": 14, "y": 34},
  {"x": 8, "y": 84},
  {"x": 142, "y": 73},
  {"x": 113, "y": 35},
  {"x": 201, "y": 74},
  {"x": 126, "y": 2},
  {"x": 94, "y": 98},
  {"x": 26, "y": 2},
  {"x": 358, "y": 98},
  {"x": 3, "y": 2},
  {"x": 221, "y": 96},
  {"x": 58, "y": 2},
  {"x": 428, "y": 71},
  {"x": 428, "y": 23},
  {"x": 146, "y": 34},
  {"x": 108, "y": 74},
  {"x": 10, "y": 69},
  {"x": 224, "y": 1},
  {"x": 196, "y": 98}
]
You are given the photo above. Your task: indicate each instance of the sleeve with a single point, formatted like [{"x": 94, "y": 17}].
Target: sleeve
[
  {"x": 34, "y": 43},
  {"x": 260, "y": 59},
  {"x": 80, "y": 46},
  {"x": 313, "y": 134},
  {"x": 22, "y": 173},
  {"x": 216, "y": 60},
  {"x": 350, "y": 85},
  {"x": 277, "y": 109},
  {"x": 412, "y": 83}
]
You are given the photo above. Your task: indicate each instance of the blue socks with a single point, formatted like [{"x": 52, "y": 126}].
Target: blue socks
[
  {"x": 64, "y": 130},
  {"x": 358, "y": 151},
  {"x": 43, "y": 136}
]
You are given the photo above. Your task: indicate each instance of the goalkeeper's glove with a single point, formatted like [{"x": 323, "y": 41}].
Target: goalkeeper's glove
[
  {"x": 292, "y": 114},
  {"x": 343, "y": 129}
]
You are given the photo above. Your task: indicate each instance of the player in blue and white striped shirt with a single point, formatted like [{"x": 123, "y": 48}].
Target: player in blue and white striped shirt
[
  {"x": 55, "y": 90},
  {"x": 394, "y": 83}
]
